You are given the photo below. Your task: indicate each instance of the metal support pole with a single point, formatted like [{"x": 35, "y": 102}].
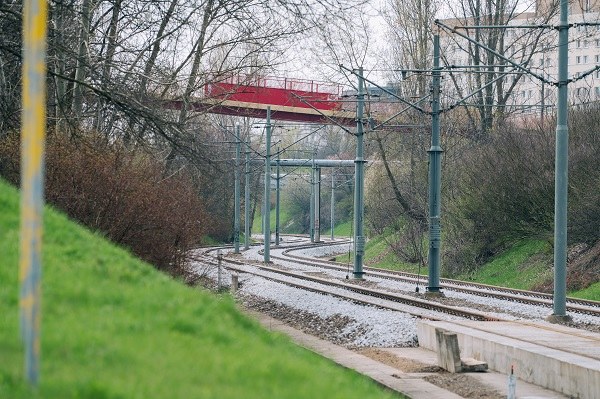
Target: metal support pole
[
  {"x": 267, "y": 205},
  {"x": 247, "y": 198},
  {"x": 236, "y": 221},
  {"x": 277, "y": 202},
  {"x": 312, "y": 198},
  {"x": 219, "y": 260},
  {"x": 359, "y": 162},
  {"x": 332, "y": 205},
  {"x": 32, "y": 182},
  {"x": 317, "y": 204},
  {"x": 435, "y": 180},
  {"x": 561, "y": 169}
]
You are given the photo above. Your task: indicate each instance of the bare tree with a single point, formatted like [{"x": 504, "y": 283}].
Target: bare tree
[{"x": 488, "y": 77}]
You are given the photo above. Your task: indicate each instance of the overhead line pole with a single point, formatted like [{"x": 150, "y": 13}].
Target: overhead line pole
[
  {"x": 236, "y": 222},
  {"x": 332, "y": 214},
  {"x": 317, "y": 204},
  {"x": 561, "y": 169},
  {"x": 435, "y": 179},
  {"x": 267, "y": 200},
  {"x": 277, "y": 204},
  {"x": 312, "y": 198},
  {"x": 359, "y": 239},
  {"x": 247, "y": 198}
]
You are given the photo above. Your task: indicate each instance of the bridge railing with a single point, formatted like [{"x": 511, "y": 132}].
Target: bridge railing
[{"x": 276, "y": 91}]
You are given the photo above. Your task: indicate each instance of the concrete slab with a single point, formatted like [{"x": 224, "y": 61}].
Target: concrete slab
[
  {"x": 561, "y": 359},
  {"x": 412, "y": 386},
  {"x": 495, "y": 380}
]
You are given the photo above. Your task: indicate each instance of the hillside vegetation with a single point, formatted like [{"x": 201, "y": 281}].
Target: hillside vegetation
[{"x": 114, "y": 327}]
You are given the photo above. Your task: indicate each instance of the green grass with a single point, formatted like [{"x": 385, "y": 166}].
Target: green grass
[
  {"x": 284, "y": 219},
  {"x": 518, "y": 267},
  {"x": 521, "y": 266},
  {"x": 113, "y": 327},
  {"x": 592, "y": 292},
  {"x": 341, "y": 229},
  {"x": 377, "y": 254}
]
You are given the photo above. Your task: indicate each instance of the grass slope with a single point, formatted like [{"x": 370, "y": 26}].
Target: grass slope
[
  {"x": 518, "y": 267},
  {"x": 113, "y": 327},
  {"x": 522, "y": 266}
]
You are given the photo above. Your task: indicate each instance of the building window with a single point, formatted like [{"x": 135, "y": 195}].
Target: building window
[
  {"x": 578, "y": 41},
  {"x": 597, "y": 91},
  {"x": 585, "y": 59},
  {"x": 585, "y": 44},
  {"x": 578, "y": 59}
]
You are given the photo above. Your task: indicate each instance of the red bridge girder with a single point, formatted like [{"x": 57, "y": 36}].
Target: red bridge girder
[{"x": 289, "y": 99}]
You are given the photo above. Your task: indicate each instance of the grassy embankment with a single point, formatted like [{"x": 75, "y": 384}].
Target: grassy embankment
[
  {"x": 342, "y": 229},
  {"x": 522, "y": 266},
  {"x": 114, "y": 327}
]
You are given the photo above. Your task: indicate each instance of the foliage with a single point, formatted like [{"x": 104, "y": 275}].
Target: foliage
[
  {"x": 124, "y": 194},
  {"x": 112, "y": 327},
  {"x": 295, "y": 198},
  {"x": 507, "y": 193},
  {"x": 584, "y": 175}
]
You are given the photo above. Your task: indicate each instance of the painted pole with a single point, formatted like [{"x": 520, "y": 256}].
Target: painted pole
[
  {"x": 435, "y": 180},
  {"x": 359, "y": 162},
  {"x": 247, "y": 198},
  {"x": 236, "y": 221},
  {"x": 332, "y": 212},
  {"x": 277, "y": 204},
  {"x": 317, "y": 204},
  {"x": 312, "y": 198},
  {"x": 32, "y": 181},
  {"x": 267, "y": 204},
  {"x": 561, "y": 167}
]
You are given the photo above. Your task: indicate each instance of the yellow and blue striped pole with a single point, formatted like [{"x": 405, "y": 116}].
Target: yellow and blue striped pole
[{"x": 32, "y": 180}]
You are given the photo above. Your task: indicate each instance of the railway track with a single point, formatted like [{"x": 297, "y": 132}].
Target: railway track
[
  {"x": 574, "y": 305},
  {"x": 342, "y": 290}
]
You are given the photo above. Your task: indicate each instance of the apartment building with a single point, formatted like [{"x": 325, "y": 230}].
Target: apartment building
[{"x": 536, "y": 49}]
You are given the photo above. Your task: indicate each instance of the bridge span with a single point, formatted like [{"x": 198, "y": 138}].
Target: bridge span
[{"x": 289, "y": 99}]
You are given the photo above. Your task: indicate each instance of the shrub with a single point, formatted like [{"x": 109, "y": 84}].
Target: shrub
[{"x": 125, "y": 194}]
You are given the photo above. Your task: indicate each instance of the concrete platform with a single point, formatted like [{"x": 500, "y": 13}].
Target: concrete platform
[
  {"x": 410, "y": 384},
  {"x": 559, "y": 358}
]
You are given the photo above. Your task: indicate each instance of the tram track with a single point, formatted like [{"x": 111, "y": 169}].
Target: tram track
[
  {"x": 575, "y": 305},
  {"x": 366, "y": 296}
]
